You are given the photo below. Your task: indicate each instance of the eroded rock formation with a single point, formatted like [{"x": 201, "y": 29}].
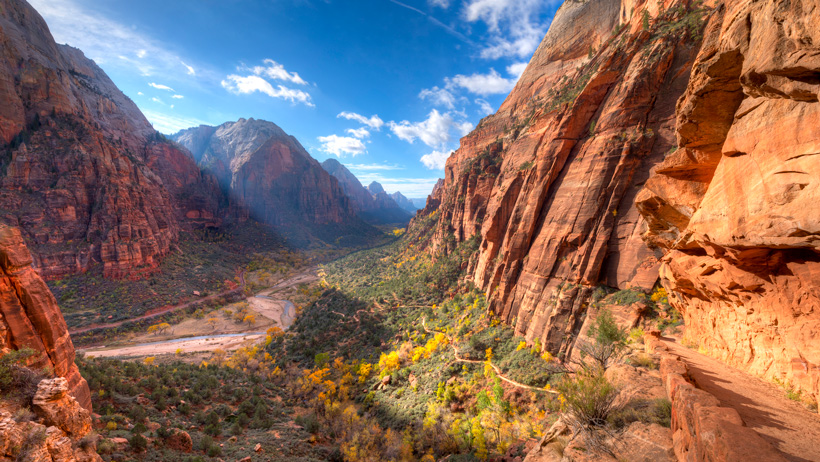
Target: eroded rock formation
[
  {"x": 734, "y": 205},
  {"x": 30, "y": 317},
  {"x": 84, "y": 175},
  {"x": 548, "y": 183},
  {"x": 374, "y": 206}
]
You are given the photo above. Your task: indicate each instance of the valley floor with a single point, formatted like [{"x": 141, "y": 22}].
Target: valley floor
[
  {"x": 197, "y": 335},
  {"x": 786, "y": 424}
]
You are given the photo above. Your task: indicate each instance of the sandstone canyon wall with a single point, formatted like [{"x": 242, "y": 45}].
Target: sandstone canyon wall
[
  {"x": 734, "y": 207},
  {"x": 548, "y": 183},
  {"x": 645, "y": 139},
  {"x": 84, "y": 175},
  {"x": 374, "y": 207},
  {"x": 30, "y": 317}
]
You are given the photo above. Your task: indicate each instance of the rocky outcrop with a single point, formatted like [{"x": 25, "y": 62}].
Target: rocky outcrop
[
  {"x": 733, "y": 207},
  {"x": 58, "y": 436},
  {"x": 269, "y": 172},
  {"x": 84, "y": 175},
  {"x": 547, "y": 184},
  {"x": 30, "y": 317}
]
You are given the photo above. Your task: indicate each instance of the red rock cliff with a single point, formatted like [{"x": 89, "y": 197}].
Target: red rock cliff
[
  {"x": 734, "y": 206},
  {"x": 84, "y": 175},
  {"x": 30, "y": 317},
  {"x": 548, "y": 183}
]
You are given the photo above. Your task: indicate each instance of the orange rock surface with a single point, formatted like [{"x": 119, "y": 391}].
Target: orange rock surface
[
  {"x": 85, "y": 177},
  {"x": 548, "y": 183},
  {"x": 734, "y": 206},
  {"x": 30, "y": 317}
]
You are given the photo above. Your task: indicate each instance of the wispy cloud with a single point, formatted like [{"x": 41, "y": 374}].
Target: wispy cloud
[
  {"x": 410, "y": 187},
  {"x": 169, "y": 124},
  {"x": 436, "y": 131},
  {"x": 491, "y": 83},
  {"x": 177, "y": 97},
  {"x": 160, "y": 87},
  {"x": 484, "y": 107},
  {"x": 450, "y": 30},
  {"x": 341, "y": 145},
  {"x": 359, "y": 133},
  {"x": 372, "y": 167},
  {"x": 107, "y": 41},
  {"x": 439, "y": 97},
  {"x": 436, "y": 159},
  {"x": 240, "y": 85},
  {"x": 375, "y": 122},
  {"x": 276, "y": 71},
  {"x": 515, "y": 26}
]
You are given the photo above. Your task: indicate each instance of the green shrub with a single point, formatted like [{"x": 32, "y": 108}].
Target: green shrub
[{"x": 588, "y": 398}]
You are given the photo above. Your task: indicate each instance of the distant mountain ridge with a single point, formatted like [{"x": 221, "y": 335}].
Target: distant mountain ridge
[
  {"x": 374, "y": 205},
  {"x": 263, "y": 168}
]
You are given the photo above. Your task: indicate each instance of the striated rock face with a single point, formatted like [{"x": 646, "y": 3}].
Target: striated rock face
[
  {"x": 30, "y": 317},
  {"x": 548, "y": 183},
  {"x": 84, "y": 175},
  {"x": 734, "y": 206},
  {"x": 270, "y": 173}
]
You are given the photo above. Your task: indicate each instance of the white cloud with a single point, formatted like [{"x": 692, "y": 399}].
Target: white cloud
[
  {"x": 517, "y": 69},
  {"x": 276, "y": 71},
  {"x": 246, "y": 85},
  {"x": 157, "y": 100},
  {"x": 439, "y": 97},
  {"x": 191, "y": 70},
  {"x": 359, "y": 133},
  {"x": 410, "y": 187},
  {"x": 160, "y": 87},
  {"x": 372, "y": 167},
  {"x": 177, "y": 97},
  {"x": 436, "y": 159},
  {"x": 482, "y": 84},
  {"x": 105, "y": 40},
  {"x": 515, "y": 26},
  {"x": 374, "y": 122},
  {"x": 341, "y": 145},
  {"x": 439, "y": 3},
  {"x": 140, "y": 93},
  {"x": 484, "y": 107},
  {"x": 435, "y": 131},
  {"x": 171, "y": 124}
]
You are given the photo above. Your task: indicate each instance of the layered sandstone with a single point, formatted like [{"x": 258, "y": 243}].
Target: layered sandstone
[
  {"x": 30, "y": 317},
  {"x": 734, "y": 206},
  {"x": 58, "y": 435},
  {"x": 548, "y": 183},
  {"x": 84, "y": 175}
]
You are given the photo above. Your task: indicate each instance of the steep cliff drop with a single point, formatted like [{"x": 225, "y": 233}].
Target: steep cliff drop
[
  {"x": 548, "y": 183},
  {"x": 735, "y": 206},
  {"x": 83, "y": 174},
  {"x": 30, "y": 317}
]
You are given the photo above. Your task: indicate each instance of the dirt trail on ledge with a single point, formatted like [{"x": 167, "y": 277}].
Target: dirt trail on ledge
[{"x": 787, "y": 425}]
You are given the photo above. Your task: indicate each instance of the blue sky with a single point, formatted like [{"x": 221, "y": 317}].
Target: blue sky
[{"x": 386, "y": 86}]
